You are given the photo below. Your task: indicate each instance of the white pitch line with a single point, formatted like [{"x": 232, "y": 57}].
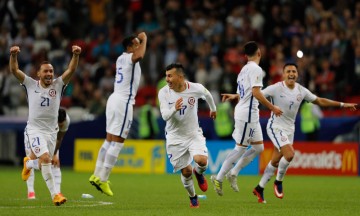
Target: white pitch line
[{"x": 97, "y": 203}]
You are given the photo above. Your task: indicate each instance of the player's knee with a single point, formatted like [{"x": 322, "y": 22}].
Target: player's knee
[
  {"x": 258, "y": 148},
  {"x": 289, "y": 157},
  {"x": 186, "y": 172}
]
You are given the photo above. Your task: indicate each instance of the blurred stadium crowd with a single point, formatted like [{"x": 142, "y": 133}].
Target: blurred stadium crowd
[{"x": 206, "y": 36}]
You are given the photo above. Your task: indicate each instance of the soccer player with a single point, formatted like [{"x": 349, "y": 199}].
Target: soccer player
[
  {"x": 63, "y": 122},
  {"x": 288, "y": 95},
  {"x": 247, "y": 126},
  {"x": 44, "y": 97},
  {"x": 184, "y": 138},
  {"x": 119, "y": 110}
]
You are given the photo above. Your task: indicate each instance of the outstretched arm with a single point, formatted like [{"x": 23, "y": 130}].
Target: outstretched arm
[
  {"x": 210, "y": 100},
  {"x": 261, "y": 98},
  {"x": 324, "y": 102},
  {"x": 13, "y": 64},
  {"x": 66, "y": 76},
  {"x": 230, "y": 97}
]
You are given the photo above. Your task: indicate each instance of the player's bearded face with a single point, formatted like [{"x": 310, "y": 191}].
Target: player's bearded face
[{"x": 46, "y": 74}]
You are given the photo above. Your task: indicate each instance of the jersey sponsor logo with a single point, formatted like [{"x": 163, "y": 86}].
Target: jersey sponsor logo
[
  {"x": 37, "y": 91},
  {"x": 171, "y": 103},
  {"x": 52, "y": 93},
  {"x": 282, "y": 96}
]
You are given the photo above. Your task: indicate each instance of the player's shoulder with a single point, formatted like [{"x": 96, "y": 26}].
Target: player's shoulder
[{"x": 164, "y": 90}]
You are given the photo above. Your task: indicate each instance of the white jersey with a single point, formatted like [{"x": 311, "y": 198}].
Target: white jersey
[
  {"x": 64, "y": 127},
  {"x": 183, "y": 123},
  {"x": 44, "y": 105},
  {"x": 127, "y": 78},
  {"x": 289, "y": 101},
  {"x": 247, "y": 109}
]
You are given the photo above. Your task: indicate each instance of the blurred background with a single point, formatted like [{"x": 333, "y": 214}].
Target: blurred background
[{"x": 206, "y": 36}]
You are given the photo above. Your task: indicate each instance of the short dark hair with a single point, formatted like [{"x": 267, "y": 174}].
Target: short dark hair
[
  {"x": 42, "y": 63},
  {"x": 290, "y": 64},
  {"x": 128, "y": 41},
  {"x": 62, "y": 115},
  {"x": 178, "y": 66},
  {"x": 250, "y": 48}
]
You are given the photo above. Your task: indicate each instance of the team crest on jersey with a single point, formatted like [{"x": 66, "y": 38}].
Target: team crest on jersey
[
  {"x": 298, "y": 97},
  {"x": 37, "y": 150},
  {"x": 52, "y": 93},
  {"x": 191, "y": 101}
]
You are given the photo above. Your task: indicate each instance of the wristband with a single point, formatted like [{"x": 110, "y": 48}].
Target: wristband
[{"x": 341, "y": 104}]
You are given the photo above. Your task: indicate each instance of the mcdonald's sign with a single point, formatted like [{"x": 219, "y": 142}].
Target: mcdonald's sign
[
  {"x": 349, "y": 162},
  {"x": 319, "y": 158}
]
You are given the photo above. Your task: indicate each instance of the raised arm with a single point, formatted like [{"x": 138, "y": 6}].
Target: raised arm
[
  {"x": 66, "y": 76},
  {"x": 256, "y": 91},
  {"x": 13, "y": 64},
  {"x": 140, "y": 51},
  {"x": 324, "y": 102}
]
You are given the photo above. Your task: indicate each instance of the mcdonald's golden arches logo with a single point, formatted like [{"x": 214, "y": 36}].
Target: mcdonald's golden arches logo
[{"x": 349, "y": 161}]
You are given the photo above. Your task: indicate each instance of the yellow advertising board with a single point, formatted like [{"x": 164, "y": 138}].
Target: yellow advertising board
[{"x": 137, "y": 156}]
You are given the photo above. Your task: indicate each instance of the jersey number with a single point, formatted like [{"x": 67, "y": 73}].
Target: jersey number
[
  {"x": 121, "y": 76},
  {"x": 45, "y": 101},
  {"x": 182, "y": 110},
  {"x": 241, "y": 90},
  {"x": 291, "y": 103}
]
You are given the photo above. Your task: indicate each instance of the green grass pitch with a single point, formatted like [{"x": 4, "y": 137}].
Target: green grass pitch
[{"x": 140, "y": 194}]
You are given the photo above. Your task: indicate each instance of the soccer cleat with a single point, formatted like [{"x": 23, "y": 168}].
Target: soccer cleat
[
  {"x": 194, "y": 202},
  {"x": 59, "y": 199},
  {"x": 25, "y": 174},
  {"x": 233, "y": 181},
  {"x": 259, "y": 192},
  {"x": 105, "y": 188},
  {"x": 201, "y": 181},
  {"x": 217, "y": 185},
  {"x": 278, "y": 189},
  {"x": 31, "y": 195},
  {"x": 95, "y": 181}
]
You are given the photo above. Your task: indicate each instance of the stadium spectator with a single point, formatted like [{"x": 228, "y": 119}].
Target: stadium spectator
[
  {"x": 184, "y": 138},
  {"x": 44, "y": 100},
  {"x": 247, "y": 126},
  {"x": 119, "y": 110}
]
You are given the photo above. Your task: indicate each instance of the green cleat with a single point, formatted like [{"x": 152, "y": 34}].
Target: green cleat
[
  {"x": 217, "y": 185},
  {"x": 105, "y": 188},
  {"x": 95, "y": 181}
]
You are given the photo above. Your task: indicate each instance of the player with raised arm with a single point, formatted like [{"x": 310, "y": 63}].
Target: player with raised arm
[
  {"x": 184, "y": 138},
  {"x": 63, "y": 122},
  {"x": 119, "y": 110},
  {"x": 43, "y": 97},
  {"x": 288, "y": 95},
  {"x": 247, "y": 125}
]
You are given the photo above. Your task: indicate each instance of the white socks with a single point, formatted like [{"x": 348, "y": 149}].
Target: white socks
[
  {"x": 110, "y": 159},
  {"x": 200, "y": 169},
  {"x": 247, "y": 157},
  {"x": 188, "y": 185},
  {"x": 57, "y": 177},
  {"x": 30, "y": 182},
  {"x": 230, "y": 160},
  {"x": 33, "y": 164},
  {"x": 101, "y": 158},
  {"x": 283, "y": 166},
  {"x": 49, "y": 179},
  {"x": 268, "y": 173}
]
